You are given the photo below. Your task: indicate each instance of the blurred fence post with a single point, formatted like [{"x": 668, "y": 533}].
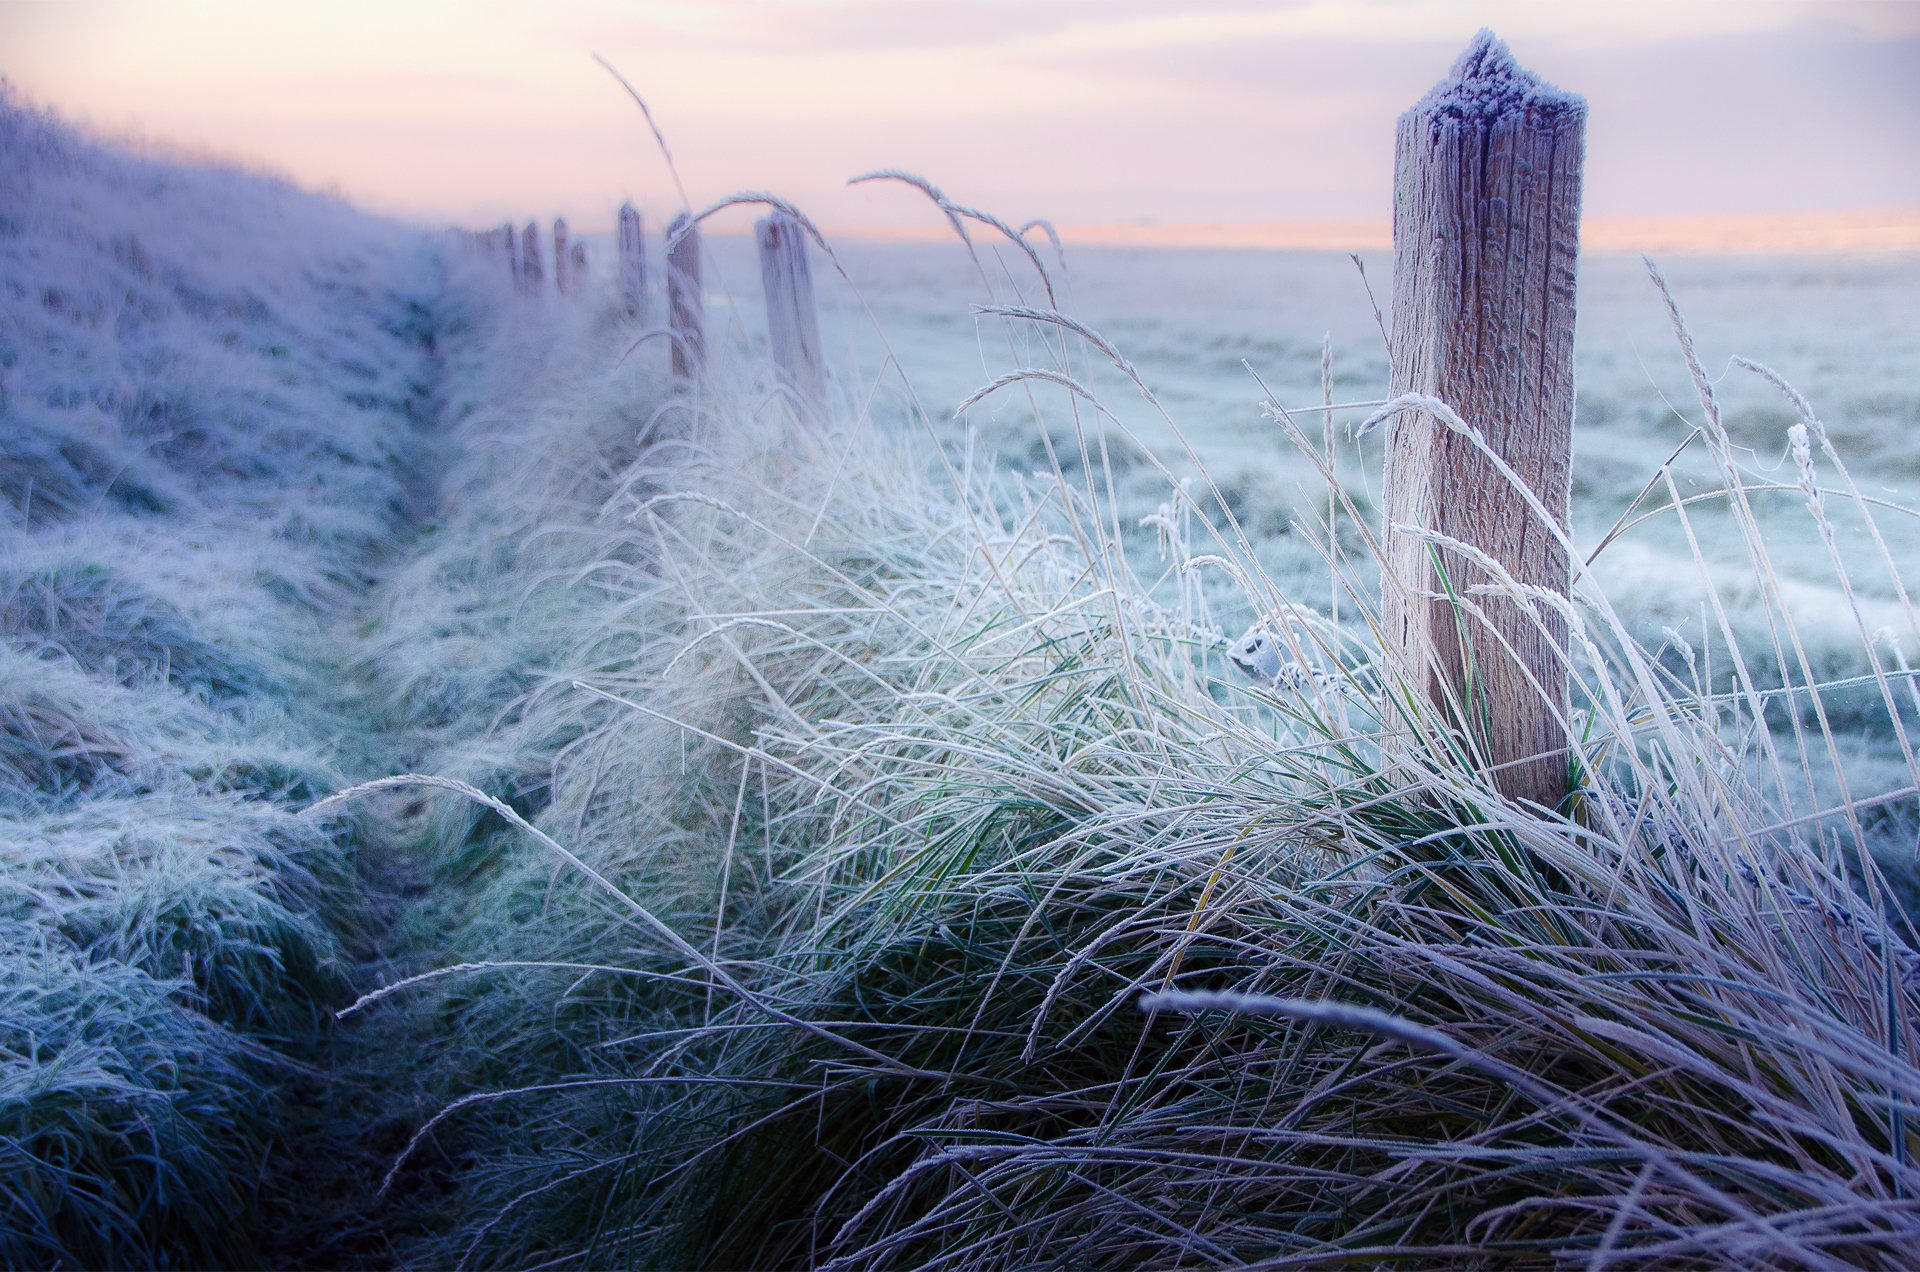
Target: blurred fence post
[
  {"x": 1486, "y": 218},
  {"x": 686, "y": 304},
  {"x": 560, "y": 280},
  {"x": 531, "y": 278},
  {"x": 632, "y": 277},
  {"x": 506, "y": 236},
  {"x": 793, "y": 327},
  {"x": 577, "y": 265}
]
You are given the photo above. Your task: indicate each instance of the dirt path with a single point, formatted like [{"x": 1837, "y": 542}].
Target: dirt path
[{"x": 355, "y": 1093}]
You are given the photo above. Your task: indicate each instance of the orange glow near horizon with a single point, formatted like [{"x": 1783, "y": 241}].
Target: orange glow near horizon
[
  {"x": 1754, "y": 233},
  {"x": 1763, "y": 126}
]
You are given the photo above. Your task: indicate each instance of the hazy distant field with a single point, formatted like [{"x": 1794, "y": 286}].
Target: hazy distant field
[{"x": 1845, "y": 331}]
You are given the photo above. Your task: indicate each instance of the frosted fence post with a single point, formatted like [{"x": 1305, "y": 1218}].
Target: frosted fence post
[
  {"x": 632, "y": 277},
  {"x": 530, "y": 272},
  {"x": 686, "y": 304},
  {"x": 560, "y": 280},
  {"x": 1485, "y": 240},
  {"x": 793, "y": 328}
]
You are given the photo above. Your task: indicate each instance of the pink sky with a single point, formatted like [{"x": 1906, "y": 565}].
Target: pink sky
[{"x": 1152, "y": 118}]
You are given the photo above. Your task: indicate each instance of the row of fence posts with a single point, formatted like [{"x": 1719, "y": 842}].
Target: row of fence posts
[
  {"x": 793, "y": 324},
  {"x": 521, "y": 252},
  {"x": 786, "y": 278},
  {"x": 686, "y": 309},
  {"x": 1486, "y": 238}
]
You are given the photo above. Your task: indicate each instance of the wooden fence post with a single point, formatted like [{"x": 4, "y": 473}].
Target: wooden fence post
[
  {"x": 530, "y": 272},
  {"x": 560, "y": 280},
  {"x": 793, "y": 328},
  {"x": 686, "y": 303},
  {"x": 632, "y": 278},
  {"x": 1485, "y": 239}
]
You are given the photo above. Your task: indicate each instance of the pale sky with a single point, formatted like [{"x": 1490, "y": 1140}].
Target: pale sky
[{"x": 1185, "y": 112}]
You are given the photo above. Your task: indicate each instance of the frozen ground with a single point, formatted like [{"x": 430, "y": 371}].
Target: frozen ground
[{"x": 293, "y": 497}]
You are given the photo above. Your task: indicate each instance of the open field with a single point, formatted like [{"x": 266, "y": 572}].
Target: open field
[{"x": 852, "y": 846}]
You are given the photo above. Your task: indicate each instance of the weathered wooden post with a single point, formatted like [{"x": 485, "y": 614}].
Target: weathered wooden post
[
  {"x": 686, "y": 303},
  {"x": 793, "y": 328},
  {"x": 1485, "y": 238},
  {"x": 530, "y": 272},
  {"x": 560, "y": 280},
  {"x": 632, "y": 278}
]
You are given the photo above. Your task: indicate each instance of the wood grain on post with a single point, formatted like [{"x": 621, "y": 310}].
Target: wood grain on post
[
  {"x": 632, "y": 279},
  {"x": 1485, "y": 240},
  {"x": 560, "y": 280},
  {"x": 793, "y": 327},
  {"x": 530, "y": 273},
  {"x": 686, "y": 303}
]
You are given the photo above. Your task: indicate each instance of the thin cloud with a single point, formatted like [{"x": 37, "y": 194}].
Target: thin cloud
[{"x": 851, "y": 26}]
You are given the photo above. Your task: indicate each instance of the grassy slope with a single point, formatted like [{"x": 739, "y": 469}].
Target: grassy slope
[{"x": 211, "y": 393}]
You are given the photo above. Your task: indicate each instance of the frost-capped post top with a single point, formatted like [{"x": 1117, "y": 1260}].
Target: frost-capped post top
[{"x": 1485, "y": 240}]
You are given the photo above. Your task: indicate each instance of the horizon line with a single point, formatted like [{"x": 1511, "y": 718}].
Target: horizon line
[
  {"x": 1856, "y": 231},
  {"x": 1839, "y": 232}
]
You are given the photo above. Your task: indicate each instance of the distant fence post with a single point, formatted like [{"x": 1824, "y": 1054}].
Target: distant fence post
[
  {"x": 506, "y": 236},
  {"x": 1485, "y": 238},
  {"x": 686, "y": 304},
  {"x": 530, "y": 273},
  {"x": 560, "y": 280},
  {"x": 577, "y": 264},
  {"x": 793, "y": 328},
  {"x": 632, "y": 276}
]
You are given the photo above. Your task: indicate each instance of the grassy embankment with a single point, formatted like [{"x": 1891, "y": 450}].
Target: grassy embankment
[
  {"x": 908, "y": 879},
  {"x": 212, "y": 399}
]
